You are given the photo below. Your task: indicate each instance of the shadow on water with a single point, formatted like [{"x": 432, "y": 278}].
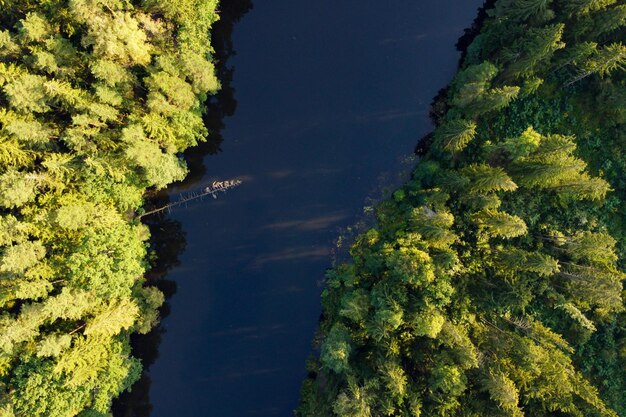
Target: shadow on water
[
  {"x": 168, "y": 240},
  {"x": 223, "y": 104}
]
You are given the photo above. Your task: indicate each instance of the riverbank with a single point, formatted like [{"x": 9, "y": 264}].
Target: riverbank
[
  {"x": 492, "y": 282},
  {"x": 98, "y": 99}
]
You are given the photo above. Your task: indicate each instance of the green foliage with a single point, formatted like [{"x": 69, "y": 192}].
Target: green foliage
[
  {"x": 603, "y": 61},
  {"x": 336, "y": 351},
  {"x": 520, "y": 260},
  {"x": 522, "y": 10},
  {"x": 492, "y": 283},
  {"x": 582, "y": 7},
  {"x": 504, "y": 392},
  {"x": 19, "y": 257},
  {"x": 525, "y": 56},
  {"x": 499, "y": 224},
  {"x": 97, "y": 101},
  {"x": 484, "y": 178},
  {"x": 455, "y": 135},
  {"x": 552, "y": 164}
]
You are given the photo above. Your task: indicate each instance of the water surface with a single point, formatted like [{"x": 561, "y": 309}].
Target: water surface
[{"x": 331, "y": 96}]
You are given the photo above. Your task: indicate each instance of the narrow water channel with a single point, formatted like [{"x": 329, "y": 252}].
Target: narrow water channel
[{"x": 331, "y": 95}]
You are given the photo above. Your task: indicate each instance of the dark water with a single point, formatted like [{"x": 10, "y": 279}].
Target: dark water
[{"x": 331, "y": 96}]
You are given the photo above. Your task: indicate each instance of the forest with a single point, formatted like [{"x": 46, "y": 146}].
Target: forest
[
  {"x": 98, "y": 98},
  {"x": 492, "y": 281},
  {"x": 490, "y": 285}
]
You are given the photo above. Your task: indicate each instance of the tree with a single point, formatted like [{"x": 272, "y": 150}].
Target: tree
[
  {"x": 395, "y": 380},
  {"x": 522, "y": 145},
  {"x": 412, "y": 266},
  {"x": 524, "y": 57},
  {"x": 592, "y": 248},
  {"x": 603, "y": 62},
  {"x": 454, "y": 135},
  {"x": 484, "y": 179},
  {"x": 12, "y": 154},
  {"x": 575, "y": 314},
  {"x": 433, "y": 226},
  {"x": 447, "y": 381},
  {"x": 19, "y": 257},
  {"x": 504, "y": 392},
  {"x": 17, "y": 188},
  {"x": 582, "y": 7},
  {"x": 456, "y": 338},
  {"x": 355, "y": 306},
  {"x": 494, "y": 99},
  {"x": 521, "y": 260},
  {"x": 118, "y": 315},
  {"x": 428, "y": 322},
  {"x": 499, "y": 224},
  {"x": 471, "y": 83},
  {"x": 552, "y": 165},
  {"x": 589, "y": 286},
  {"x": 523, "y": 10},
  {"x": 353, "y": 401},
  {"x": 608, "y": 20},
  {"x": 600, "y": 25},
  {"x": 335, "y": 352}
]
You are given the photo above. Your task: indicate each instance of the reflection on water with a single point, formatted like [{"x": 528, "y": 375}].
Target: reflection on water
[{"x": 168, "y": 240}]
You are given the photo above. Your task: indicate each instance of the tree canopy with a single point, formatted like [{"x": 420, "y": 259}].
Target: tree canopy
[
  {"x": 97, "y": 101},
  {"x": 492, "y": 281}
]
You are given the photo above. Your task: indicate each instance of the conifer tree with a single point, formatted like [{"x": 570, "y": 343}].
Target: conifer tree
[
  {"x": 484, "y": 178},
  {"x": 454, "y": 135},
  {"x": 524, "y": 57},
  {"x": 499, "y": 224},
  {"x": 582, "y": 7},
  {"x": 523, "y": 10},
  {"x": 98, "y": 98},
  {"x": 605, "y": 60}
]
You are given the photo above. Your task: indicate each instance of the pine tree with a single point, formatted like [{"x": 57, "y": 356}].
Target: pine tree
[
  {"x": 471, "y": 83},
  {"x": 454, "y": 135},
  {"x": 521, "y": 260},
  {"x": 603, "y": 62},
  {"x": 592, "y": 248},
  {"x": 504, "y": 392},
  {"x": 484, "y": 179},
  {"x": 433, "y": 226},
  {"x": 355, "y": 306},
  {"x": 582, "y": 7},
  {"x": 353, "y": 401},
  {"x": 118, "y": 315},
  {"x": 521, "y": 146},
  {"x": 494, "y": 99},
  {"x": 608, "y": 21},
  {"x": 525, "y": 56},
  {"x": 499, "y": 224},
  {"x": 590, "y": 286},
  {"x": 523, "y": 10}
]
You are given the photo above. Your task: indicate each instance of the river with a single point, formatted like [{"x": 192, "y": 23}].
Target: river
[{"x": 331, "y": 97}]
